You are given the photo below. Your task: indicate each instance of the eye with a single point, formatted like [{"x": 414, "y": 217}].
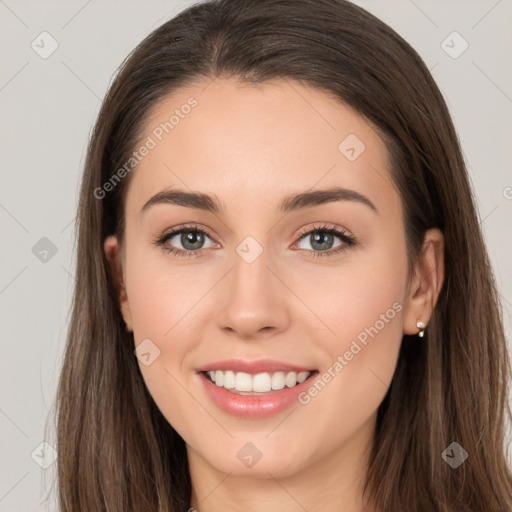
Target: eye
[
  {"x": 191, "y": 239},
  {"x": 322, "y": 240}
]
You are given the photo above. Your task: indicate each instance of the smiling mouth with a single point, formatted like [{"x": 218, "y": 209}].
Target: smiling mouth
[{"x": 242, "y": 383}]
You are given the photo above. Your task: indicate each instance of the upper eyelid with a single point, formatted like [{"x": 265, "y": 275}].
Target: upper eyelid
[
  {"x": 180, "y": 229},
  {"x": 319, "y": 226}
]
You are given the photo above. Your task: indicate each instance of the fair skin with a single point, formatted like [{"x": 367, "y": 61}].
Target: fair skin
[{"x": 251, "y": 147}]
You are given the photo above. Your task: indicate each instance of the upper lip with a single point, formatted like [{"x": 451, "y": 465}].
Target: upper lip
[{"x": 253, "y": 367}]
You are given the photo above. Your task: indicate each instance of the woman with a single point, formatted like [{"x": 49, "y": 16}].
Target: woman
[{"x": 283, "y": 298}]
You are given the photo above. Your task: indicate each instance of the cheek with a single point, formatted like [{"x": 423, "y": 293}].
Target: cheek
[
  {"x": 363, "y": 305},
  {"x": 162, "y": 294},
  {"x": 166, "y": 301},
  {"x": 365, "y": 292}
]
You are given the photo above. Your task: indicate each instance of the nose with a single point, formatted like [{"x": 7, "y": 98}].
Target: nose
[{"x": 254, "y": 301}]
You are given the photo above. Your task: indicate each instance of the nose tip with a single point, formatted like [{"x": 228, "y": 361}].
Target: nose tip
[{"x": 248, "y": 328}]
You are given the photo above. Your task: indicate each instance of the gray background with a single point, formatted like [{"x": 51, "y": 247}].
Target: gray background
[{"x": 48, "y": 107}]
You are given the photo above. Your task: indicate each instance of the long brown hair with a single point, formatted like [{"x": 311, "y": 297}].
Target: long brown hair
[{"x": 116, "y": 451}]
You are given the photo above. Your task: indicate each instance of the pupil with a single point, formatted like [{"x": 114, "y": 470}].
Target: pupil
[
  {"x": 192, "y": 237},
  {"x": 322, "y": 239}
]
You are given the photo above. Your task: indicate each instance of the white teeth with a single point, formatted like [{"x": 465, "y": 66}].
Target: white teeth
[
  {"x": 260, "y": 383},
  {"x": 229, "y": 380},
  {"x": 278, "y": 380},
  {"x": 302, "y": 376},
  {"x": 243, "y": 381},
  {"x": 291, "y": 379}
]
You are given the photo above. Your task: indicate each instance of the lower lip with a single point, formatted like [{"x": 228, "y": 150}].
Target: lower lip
[{"x": 254, "y": 406}]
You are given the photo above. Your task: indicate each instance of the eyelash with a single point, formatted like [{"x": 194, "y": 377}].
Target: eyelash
[{"x": 348, "y": 240}]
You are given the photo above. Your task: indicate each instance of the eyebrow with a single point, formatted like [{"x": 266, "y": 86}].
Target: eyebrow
[{"x": 294, "y": 202}]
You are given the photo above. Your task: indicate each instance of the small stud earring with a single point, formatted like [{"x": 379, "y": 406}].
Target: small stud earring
[{"x": 420, "y": 325}]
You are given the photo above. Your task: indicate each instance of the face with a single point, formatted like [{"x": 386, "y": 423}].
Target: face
[{"x": 295, "y": 287}]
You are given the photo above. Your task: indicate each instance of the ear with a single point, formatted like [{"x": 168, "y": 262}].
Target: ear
[
  {"x": 426, "y": 283},
  {"x": 114, "y": 257}
]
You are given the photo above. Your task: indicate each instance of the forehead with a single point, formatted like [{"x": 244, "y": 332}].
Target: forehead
[{"x": 250, "y": 143}]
